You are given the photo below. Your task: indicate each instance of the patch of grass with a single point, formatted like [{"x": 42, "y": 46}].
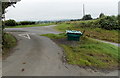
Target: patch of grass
[
  {"x": 9, "y": 41},
  {"x": 55, "y": 36},
  {"x": 36, "y": 25},
  {"x": 62, "y": 27},
  {"x": 98, "y": 33},
  {"x": 89, "y": 52},
  {"x": 92, "y": 53}
]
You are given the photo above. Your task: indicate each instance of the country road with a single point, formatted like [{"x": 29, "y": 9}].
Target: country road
[{"x": 36, "y": 55}]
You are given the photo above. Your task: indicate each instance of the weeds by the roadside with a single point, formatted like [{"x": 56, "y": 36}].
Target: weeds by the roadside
[{"x": 9, "y": 41}]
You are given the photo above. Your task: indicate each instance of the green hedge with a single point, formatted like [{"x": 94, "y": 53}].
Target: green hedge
[
  {"x": 14, "y": 23},
  {"x": 10, "y": 22},
  {"x": 106, "y": 22}
]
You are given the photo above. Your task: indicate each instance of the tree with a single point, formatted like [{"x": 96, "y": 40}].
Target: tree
[
  {"x": 4, "y": 6},
  {"x": 118, "y": 19},
  {"x": 87, "y": 17},
  {"x": 101, "y": 15},
  {"x": 10, "y": 22},
  {"x": 109, "y": 23},
  {"x": 26, "y": 22}
]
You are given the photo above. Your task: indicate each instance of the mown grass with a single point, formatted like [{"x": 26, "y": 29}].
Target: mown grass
[
  {"x": 88, "y": 52},
  {"x": 9, "y": 41},
  {"x": 35, "y": 25},
  {"x": 55, "y": 36},
  {"x": 97, "y": 33}
]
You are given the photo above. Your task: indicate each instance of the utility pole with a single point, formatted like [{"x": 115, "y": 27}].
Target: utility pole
[
  {"x": 83, "y": 10},
  {"x": 0, "y": 37},
  {"x": 119, "y": 8},
  {"x": 0, "y": 25}
]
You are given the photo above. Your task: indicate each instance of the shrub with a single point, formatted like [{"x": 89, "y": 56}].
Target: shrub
[
  {"x": 26, "y": 23},
  {"x": 105, "y": 22},
  {"x": 118, "y": 19},
  {"x": 10, "y": 22},
  {"x": 101, "y": 15},
  {"x": 109, "y": 22},
  {"x": 89, "y": 23},
  {"x": 87, "y": 17}
]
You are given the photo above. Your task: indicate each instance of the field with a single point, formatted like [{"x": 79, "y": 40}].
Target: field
[
  {"x": 88, "y": 52},
  {"x": 97, "y": 33}
]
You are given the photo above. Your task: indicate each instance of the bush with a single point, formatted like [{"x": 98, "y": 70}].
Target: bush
[
  {"x": 87, "y": 17},
  {"x": 101, "y": 15},
  {"x": 89, "y": 23},
  {"x": 9, "y": 41},
  {"x": 109, "y": 22},
  {"x": 105, "y": 22},
  {"x": 26, "y": 23},
  {"x": 118, "y": 19},
  {"x": 10, "y": 23}
]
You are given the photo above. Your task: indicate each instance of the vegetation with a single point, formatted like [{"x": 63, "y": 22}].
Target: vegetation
[
  {"x": 87, "y": 17},
  {"x": 6, "y": 5},
  {"x": 9, "y": 41},
  {"x": 10, "y": 22},
  {"x": 34, "y": 25},
  {"x": 119, "y": 19},
  {"x": 89, "y": 52},
  {"x": 13, "y": 24},
  {"x": 101, "y": 15},
  {"x": 55, "y": 36},
  {"x": 86, "y": 53},
  {"x": 26, "y": 23},
  {"x": 94, "y": 28},
  {"x": 109, "y": 23}
]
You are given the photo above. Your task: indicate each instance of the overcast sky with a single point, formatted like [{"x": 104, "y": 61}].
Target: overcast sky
[{"x": 60, "y": 9}]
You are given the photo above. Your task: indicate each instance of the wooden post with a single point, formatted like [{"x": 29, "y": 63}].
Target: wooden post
[{"x": 0, "y": 22}]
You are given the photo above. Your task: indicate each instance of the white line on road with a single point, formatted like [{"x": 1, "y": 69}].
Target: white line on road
[
  {"x": 28, "y": 36},
  {"x": 25, "y": 35}
]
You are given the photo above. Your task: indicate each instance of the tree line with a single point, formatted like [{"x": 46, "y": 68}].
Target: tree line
[
  {"x": 12, "y": 22},
  {"x": 103, "y": 21}
]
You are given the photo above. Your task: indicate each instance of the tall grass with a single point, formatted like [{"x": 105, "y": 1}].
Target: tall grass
[
  {"x": 9, "y": 41},
  {"x": 98, "y": 33}
]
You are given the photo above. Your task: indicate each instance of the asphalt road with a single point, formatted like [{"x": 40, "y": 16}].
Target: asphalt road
[{"x": 39, "y": 56}]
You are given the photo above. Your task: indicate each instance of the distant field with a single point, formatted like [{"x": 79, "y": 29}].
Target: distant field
[
  {"x": 97, "y": 33},
  {"x": 36, "y": 25},
  {"x": 88, "y": 52}
]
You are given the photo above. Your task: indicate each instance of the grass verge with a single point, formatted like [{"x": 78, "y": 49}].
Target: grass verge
[
  {"x": 97, "y": 33},
  {"x": 88, "y": 52},
  {"x": 9, "y": 41},
  {"x": 36, "y": 25},
  {"x": 55, "y": 36}
]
